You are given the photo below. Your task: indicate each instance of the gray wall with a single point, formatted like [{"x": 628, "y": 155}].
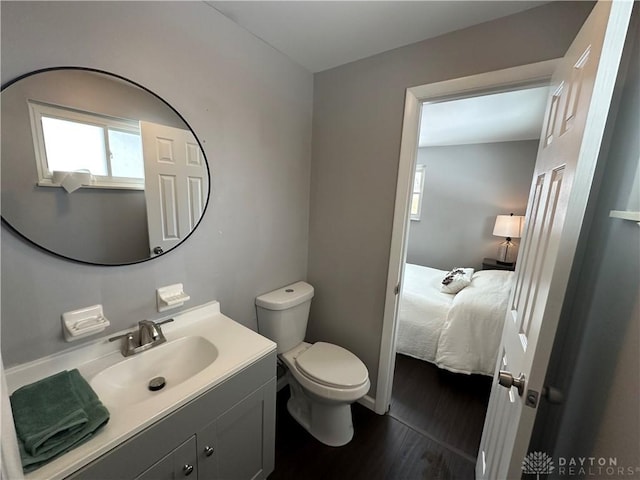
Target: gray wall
[
  {"x": 95, "y": 225},
  {"x": 247, "y": 103},
  {"x": 595, "y": 356},
  {"x": 357, "y": 122},
  {"x": 465, "y": 187}
]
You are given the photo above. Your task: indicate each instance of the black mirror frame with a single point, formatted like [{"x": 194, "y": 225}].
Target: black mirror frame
[{"x": 119, "y": 77}]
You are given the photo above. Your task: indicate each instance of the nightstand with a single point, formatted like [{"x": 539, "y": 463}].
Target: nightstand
[{"x": 492, "y": 264}]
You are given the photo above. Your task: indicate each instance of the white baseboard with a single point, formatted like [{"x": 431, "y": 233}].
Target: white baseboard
[{"x": 368, "y": 402}]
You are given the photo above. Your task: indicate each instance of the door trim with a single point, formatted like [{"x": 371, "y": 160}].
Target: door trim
[{"x": 499, "y": 80}]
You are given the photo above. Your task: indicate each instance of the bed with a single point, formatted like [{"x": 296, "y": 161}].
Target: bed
[{"x": 458, "y": 332}]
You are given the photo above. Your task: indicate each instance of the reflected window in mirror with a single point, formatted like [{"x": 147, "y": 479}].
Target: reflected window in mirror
[
  {"x": 116, "y": 224},
  {"x": 416, "y": 193},
  {"x": 68, "y": 140}
]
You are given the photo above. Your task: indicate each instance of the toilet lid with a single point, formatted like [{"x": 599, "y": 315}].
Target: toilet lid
[{"x": 332, "y": 365}]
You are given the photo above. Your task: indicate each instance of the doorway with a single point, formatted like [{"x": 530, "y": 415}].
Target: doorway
[
  {"x": 503, "y": 80},
  {"x": 475, "y": 160}
]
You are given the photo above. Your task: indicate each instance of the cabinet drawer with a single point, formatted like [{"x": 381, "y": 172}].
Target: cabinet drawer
[{"x": 179, "y": 464}]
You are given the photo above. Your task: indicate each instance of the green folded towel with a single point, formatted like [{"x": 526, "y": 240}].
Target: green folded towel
[
  {"x": 46, "y": 411},
  {"x": 54, "y": 415}
]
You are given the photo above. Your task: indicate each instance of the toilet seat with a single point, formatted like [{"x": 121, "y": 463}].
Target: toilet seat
[
  {"x": 332, "y": 366},
  {"x": 315, "y": 387}
]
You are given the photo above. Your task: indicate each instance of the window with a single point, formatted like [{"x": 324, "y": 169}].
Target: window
[
  {"x": 416, "y": 193},
  {"x": 70, "y": 140}
]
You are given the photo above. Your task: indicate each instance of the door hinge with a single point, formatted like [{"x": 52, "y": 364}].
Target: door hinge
[{"x": 396, "y": 290}]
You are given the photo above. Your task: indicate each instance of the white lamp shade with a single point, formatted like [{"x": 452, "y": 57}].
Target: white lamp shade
[{"x": 508, "y": 226}]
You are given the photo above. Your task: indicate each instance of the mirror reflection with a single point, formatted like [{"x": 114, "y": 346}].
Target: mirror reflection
[{"x": 97, "y": 169}]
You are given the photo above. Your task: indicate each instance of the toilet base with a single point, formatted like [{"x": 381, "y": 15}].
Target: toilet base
[{"x": 329, "y": 422}]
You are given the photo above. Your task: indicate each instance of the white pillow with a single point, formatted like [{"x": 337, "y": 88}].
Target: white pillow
[{"x": 456, "y": 280}]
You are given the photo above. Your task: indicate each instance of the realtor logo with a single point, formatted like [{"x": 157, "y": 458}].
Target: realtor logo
[{"x": 537, "y": 463}]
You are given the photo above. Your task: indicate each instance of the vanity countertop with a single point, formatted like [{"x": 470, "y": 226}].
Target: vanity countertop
[{"x": 237, "y": 347}]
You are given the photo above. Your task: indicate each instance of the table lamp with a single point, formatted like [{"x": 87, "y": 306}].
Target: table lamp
[{"x": 509, "y": 226}]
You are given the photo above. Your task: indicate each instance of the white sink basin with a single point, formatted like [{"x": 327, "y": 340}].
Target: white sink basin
[{"x": 127, "y": 382}]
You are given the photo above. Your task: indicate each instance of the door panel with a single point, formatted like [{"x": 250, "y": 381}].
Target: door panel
[
  {"x": 175, "y": 184},
  {"x": 570, "y": 145},
  {"x": 168, "y": 208}
]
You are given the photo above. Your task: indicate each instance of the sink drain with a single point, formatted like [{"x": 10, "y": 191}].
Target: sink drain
[{"x": 157, "y": 383}]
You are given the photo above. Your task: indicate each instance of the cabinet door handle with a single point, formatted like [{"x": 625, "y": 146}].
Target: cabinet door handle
[
  {"x": 208, "y": 451},
  {"x": 187, "y": 469}
]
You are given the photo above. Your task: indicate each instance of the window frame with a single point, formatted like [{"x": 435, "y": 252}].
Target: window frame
[
  {"x": 37, "y": 110},
  {"x": 420, "y": 169}
]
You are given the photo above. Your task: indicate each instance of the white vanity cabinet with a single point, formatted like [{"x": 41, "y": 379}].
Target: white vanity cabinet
[
  {"x": 179, "y": 463},
  {"x": 226, "y": 433},
  {"x": 232, "y": 447}
]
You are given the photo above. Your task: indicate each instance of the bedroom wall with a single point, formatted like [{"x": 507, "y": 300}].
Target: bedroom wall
[
  {"x": 251, "y": 108},
  {"x": 465, "y": 187},
  {"x": 357, "y": 123}
]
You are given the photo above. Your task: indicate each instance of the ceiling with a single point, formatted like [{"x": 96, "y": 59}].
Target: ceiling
[
  {"x": 498, "y": 117},
  {"x": 320, "y": 35},
  {"x": 324, "y": 34}
]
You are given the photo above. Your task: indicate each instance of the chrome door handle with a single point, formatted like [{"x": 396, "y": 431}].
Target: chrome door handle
[
  {"x": 506, "y": 379},
  {"x": 187, "y": 469},
  {"x": 208, "y": 451}
]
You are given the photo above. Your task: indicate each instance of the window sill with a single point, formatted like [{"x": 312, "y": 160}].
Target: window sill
[{"x": 102, "y": 184}]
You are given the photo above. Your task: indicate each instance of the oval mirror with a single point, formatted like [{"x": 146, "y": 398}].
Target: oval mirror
[{"x": 98, "y": 169}]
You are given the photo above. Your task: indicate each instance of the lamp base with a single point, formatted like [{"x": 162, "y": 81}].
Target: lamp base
[{"x": 506, "y": 253}]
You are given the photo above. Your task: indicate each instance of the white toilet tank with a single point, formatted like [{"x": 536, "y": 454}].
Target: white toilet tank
[{"x": 283, "y": 314}]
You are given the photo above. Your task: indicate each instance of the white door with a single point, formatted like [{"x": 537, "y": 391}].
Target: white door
[
  {"x": 175, "y": 185},
  {"x": 582, "y": 87}
]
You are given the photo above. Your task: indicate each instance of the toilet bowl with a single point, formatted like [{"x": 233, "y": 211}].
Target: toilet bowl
[{"x": 324, "y": 379}]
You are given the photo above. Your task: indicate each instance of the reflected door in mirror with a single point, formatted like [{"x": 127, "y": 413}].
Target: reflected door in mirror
[{"x": 175, "y": 184}]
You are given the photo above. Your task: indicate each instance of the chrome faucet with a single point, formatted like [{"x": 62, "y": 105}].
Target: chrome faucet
[{"x": 149, "y": 335}]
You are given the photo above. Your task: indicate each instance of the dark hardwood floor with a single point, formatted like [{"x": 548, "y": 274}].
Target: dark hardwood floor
[
  {"x": 447, "y": 407},
  {"x": 431, "y": 432}
]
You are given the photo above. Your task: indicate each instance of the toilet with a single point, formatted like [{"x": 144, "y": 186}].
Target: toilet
[{"x": 324, "y": 379}]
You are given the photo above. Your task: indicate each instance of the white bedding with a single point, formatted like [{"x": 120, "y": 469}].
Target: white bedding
[{"x": 458, "y": 332}]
